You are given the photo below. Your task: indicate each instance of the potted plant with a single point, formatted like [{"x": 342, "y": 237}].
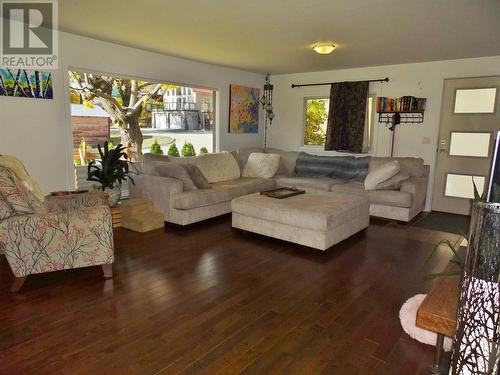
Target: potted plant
[{"x": 110, "y": 171}]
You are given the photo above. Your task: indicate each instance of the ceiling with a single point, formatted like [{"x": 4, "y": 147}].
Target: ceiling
[{"x": 276, "y": 36}]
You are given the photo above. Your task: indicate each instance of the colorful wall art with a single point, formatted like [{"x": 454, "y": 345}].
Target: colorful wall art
[
  {"x": 243, "y": 109},
  {"x": 25, "y": 83}
]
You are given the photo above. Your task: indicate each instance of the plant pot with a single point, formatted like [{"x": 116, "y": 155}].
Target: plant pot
[
  {"x": 476, "y": 344},
  {"x": 114, "y": 194}
]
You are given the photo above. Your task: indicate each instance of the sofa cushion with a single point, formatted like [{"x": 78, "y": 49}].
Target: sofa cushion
[
  {"x": 288, "y": 159},
  {"x": 308, "y": 183},
  {"x": 340, "y": 167},
  {"x": 177, "y": 171},
  {"x": 261, "y": 165},
  {"x": 381, "y": 173},
  {"x": 412, "y": 166},
  {"x": 384, "y": 197},
  {"x": 220, "y": 192},
  {"x": 218, "y": 167}
]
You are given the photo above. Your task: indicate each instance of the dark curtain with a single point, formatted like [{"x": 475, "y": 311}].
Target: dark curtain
[{"x": 346, "y": 116}]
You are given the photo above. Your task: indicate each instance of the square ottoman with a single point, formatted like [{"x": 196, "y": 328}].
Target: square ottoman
[{"x": 317, "y": 220}]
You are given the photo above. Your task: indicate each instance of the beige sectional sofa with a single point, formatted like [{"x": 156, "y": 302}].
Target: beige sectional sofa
[{"x": 186, "y": 207}]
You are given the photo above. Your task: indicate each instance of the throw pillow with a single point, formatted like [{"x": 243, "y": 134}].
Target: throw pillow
[
  {"x": 17, "y": 196},
  {"x": 175, "y": 170},
  {"x": 261, "y": 165},
  {"x": 219, "y": 166},
  {"x": 198, "y": 178},
  {"x": 412, "y": 166},
  {"x": 15, "y": 165},
  {"x": 147, "y": 166},
  {"x": 5, "y": 210},
  {"x": 381, "y": 174},
  {"x": 393, "y": 183}
]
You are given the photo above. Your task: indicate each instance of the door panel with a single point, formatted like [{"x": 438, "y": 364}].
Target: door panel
[{"x": 469, "y": 121}]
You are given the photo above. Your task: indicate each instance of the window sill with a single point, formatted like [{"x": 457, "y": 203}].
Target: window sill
[{"x": 319, "y": 150}]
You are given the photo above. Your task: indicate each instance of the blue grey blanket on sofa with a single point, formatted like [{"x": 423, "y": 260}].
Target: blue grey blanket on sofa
[{"x": 339, "y": 167}]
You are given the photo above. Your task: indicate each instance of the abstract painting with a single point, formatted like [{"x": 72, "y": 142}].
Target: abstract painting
[
  {"x": 25, "y": 83},
  {"x": 243, "y": 109}
]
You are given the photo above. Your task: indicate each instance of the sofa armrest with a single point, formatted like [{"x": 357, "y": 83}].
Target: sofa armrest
[
  {"x": 75, "y": 201},
  {"x": 40, "y": 243},
  {"x": 157, "y": 189},
  {"x": 417, "y": 187}
]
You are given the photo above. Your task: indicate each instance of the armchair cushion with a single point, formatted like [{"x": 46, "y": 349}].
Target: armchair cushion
[
  {"x": 16, "y": 195},
  {"x": 55, "y": 241}
]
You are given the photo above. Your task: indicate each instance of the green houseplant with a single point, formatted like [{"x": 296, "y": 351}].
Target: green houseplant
[
  {"x": 203, "y": 150},
  {"x": 458, "y": 259},
  {"x": 110, "y": 171}
]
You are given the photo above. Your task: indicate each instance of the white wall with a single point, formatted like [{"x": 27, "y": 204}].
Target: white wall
[
  {"x": 421, "y": 80},
  {"x": 38, "y": 131}
]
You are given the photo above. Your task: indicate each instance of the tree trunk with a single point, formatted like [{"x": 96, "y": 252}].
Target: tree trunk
[{"x": 131, "y": 136}]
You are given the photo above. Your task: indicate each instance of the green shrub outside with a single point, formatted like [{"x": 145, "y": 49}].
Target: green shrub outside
[
  {"x": 173, "y": 150},
  {"x": 188, "y": 150},
  {"x": 155, "y": 148}
]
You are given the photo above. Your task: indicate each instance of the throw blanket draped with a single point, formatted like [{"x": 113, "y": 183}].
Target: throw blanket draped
[{"x": 339, "y": 167}]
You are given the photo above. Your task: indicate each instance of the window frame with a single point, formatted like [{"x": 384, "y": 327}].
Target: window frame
[{"x": 371, "y": 130}]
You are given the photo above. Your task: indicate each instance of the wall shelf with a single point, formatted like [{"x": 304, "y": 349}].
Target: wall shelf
[
  {"x": 403, "y": 110},
  {"x": 404, "y": 117}
]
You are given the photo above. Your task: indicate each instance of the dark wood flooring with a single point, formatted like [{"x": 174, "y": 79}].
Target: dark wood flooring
[{"x": 209, "y": 299}]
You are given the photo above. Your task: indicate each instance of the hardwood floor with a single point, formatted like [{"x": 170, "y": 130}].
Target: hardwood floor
[{"x": 208, "y": 299}]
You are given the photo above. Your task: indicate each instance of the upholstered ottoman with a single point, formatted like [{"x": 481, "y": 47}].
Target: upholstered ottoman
[{"x": 318, "y": 220}]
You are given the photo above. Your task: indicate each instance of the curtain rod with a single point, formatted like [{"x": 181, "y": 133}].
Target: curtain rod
[{"x": 329, "y": 83}]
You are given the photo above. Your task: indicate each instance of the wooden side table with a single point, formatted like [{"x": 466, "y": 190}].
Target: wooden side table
[
  {"x": 139, "y": 215},
  {"x": 116, "y": 216},
  {"x": 438, "y": 312}
]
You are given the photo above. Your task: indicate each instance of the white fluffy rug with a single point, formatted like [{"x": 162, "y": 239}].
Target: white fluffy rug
[{"x": 408, "y": 316}]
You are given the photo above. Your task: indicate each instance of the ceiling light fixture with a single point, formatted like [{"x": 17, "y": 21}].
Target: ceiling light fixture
[{"x": 324, "y": 48}]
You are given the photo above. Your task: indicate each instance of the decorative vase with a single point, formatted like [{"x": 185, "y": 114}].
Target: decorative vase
[
  {"x": 476, "y": 346},
  {"x": 114, "y": 194}
]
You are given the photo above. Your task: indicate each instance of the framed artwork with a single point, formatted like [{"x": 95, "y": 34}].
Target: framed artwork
[
  {"x": 25, "y": 83},
  {"x": 243, "y": 109}
]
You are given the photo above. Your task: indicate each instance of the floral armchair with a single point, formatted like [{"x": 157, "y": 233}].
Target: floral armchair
[{"x": 52, "y": 234}]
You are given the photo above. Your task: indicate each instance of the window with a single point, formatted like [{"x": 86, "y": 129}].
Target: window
[
  {"x": 316, "y": 119},
  {"x": 470, "y": 144},
  {"x": 145, "y": 116},
  {"x": 475, "y": 100}
]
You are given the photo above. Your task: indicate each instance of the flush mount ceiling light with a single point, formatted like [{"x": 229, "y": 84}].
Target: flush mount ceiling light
[{"x": 324, "y": 48}]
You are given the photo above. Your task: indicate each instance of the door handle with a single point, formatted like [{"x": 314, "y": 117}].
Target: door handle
[{"x": 442, "y": 146}]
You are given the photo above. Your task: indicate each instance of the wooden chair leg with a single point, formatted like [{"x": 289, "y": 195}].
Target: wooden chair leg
[
  {"x": 107, "y": 270},
  {"x": 17, "y": 283}
]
